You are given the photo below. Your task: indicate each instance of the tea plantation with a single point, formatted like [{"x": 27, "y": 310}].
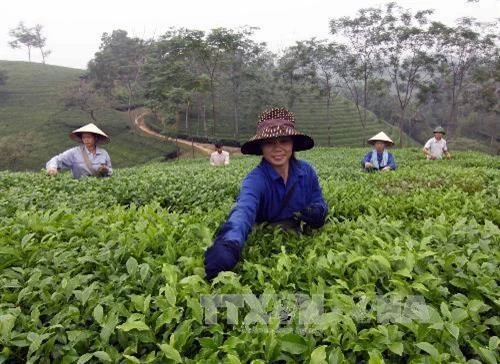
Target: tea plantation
[{"x": 406, "y": 270}]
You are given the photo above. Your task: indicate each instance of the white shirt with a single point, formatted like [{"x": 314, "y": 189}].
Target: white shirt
[
  {"x": 436, "y": 147},
  {"x": 219, "y": 159}
]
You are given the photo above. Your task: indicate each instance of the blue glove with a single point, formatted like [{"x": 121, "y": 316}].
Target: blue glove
[
  {"x": 313, "y": 215},
  {"x": 222, "y": 255}
]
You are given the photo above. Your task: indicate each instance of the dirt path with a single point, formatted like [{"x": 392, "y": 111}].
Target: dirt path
[{"x": 201, "y": 147}]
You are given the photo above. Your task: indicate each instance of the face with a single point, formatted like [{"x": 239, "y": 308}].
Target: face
[
  {"x": 89, "y": 139},
  {"x": 277, "y": 151},
  {"x": 379, "y": 146},
  {"x": 438, "y": 136},
  {"x": 218, "y": 149}
]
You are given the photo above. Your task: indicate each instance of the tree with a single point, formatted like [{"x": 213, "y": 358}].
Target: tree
[
  {"x": 29, "y": 38},
  {"x": 39, "y": 41},
  {"x": 217, "y": 44},
  {"x": 295, "y": 73},
  {"x": 83, "y": 97},
  {"x": 459, "y": 49},
  {"x": 24, "y": 36},
  {"x": 360, "y": 60},
  {"x": 172, "y": 74},
  {"x": 16, "y": 147},
  {"x": 241, "y": 60},
  {"x": 324, "y": 62},
  {"x": 116, "y": 68},
  {"x": 407, "y": 47}
]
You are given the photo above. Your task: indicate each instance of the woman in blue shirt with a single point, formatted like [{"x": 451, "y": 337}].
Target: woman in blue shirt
[
  {"x": 281, "y": 190},
  {"x": 87, "y": 159},
  {"x": 379, "y": 159}
]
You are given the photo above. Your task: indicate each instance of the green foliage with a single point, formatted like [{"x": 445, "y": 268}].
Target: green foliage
[
  {"x": 31, "y": 100},
  {"x": 111, "y": 270}
]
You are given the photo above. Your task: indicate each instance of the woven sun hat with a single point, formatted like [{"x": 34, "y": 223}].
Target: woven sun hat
[
  {"x": 275, "y": 123},
  {"x": 102, "y": 138},
  {"x": 439, "y": 129},
  {"x": 381, "y": 137}
]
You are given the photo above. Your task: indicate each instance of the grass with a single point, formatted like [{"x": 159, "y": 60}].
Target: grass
[{"x": 34, "y": 123}]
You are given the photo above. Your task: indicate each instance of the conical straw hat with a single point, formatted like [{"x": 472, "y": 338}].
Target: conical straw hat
[
  {"x": 102, "y": 138},
  {"x": 380, "y": 137}
]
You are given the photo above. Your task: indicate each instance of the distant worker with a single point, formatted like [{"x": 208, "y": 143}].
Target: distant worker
[
  {"x": 379, "y": 159},
  {"x": 219, "y": 157},
  {"x": 84, "y": 160},
  {"x": 281, "y": 190},
  {"x": 436, "y": 146}
]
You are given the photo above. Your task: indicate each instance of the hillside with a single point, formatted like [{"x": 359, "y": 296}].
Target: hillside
[
  {"x": 111, "y": 270},
  {"x": 34, "y": 126},
  {"x": 343, "y": 129}
]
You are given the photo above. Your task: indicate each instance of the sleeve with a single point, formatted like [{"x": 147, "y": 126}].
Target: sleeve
[
  {"x": 445, "y": 146},
  {"x": 391, "y": 162},
  {"x": 317, "y": 195},
  {"x": 428, "y": 144},
  {"x": 367, "y": 158},
  {"x": 61, "y": 161},
  {"x": 108, "y": 164},
  {"x": 244, "y": 213},
  {"x": 226, "y": 161},
  {"x": 212, "y": 163}
]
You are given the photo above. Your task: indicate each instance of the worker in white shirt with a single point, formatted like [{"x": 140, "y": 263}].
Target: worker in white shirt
[
  {"x": 436, "y": 147},
  {"x": 219, "y": 157}
]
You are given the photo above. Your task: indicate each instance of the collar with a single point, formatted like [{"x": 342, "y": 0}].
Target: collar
[
  {"x": 294, "y": 170},
  {"x": 97, "y": 150}
]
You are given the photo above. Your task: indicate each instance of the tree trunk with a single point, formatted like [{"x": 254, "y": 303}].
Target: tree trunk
[
  {"x": 187, "y": 118},
  {"x": 401, "y": 128},
  {"x": 177, "y": 119},
  {"x": 236, "y": 122},
  {"x": 198, "y": 121},
  {"x": 328, "y": 116},
  {"x": 129, "y": 103},
  {"x": 205, "y": 130},
  {"x": 212, "y": 91},
  {"x": 452, "y": 121}
]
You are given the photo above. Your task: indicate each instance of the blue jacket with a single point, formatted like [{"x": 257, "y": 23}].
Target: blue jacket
[{"x": 262, "y": 194}]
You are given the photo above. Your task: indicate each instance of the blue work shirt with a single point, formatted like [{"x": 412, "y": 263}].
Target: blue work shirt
[
  {"x": 390, "y": 160},
  {"x": 73, "y": 159},
  {"x": 262, "y": 194}
]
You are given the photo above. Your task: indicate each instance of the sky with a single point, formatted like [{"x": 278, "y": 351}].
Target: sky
[{"x": 73, "y": 27}]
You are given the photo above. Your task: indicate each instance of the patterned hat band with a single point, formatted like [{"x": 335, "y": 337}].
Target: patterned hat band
[
  {"x": 273, "y": 123},
  {"x": 275, "y": 131}
]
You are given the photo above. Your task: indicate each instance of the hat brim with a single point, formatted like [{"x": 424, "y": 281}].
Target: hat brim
[
  {"x": 387, "y": 142},
  {"x": 300, "y": 142},
  {"x": 438, "y": 131},
  {"x": 100, "y": 139}
]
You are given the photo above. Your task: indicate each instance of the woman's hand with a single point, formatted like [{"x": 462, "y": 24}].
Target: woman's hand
[
  {"x": 52, "y": 171},
  {"x": 103, "y": 170},
  {"x": 314, "y": 215},
  {"x": 221, "y": 256}
]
